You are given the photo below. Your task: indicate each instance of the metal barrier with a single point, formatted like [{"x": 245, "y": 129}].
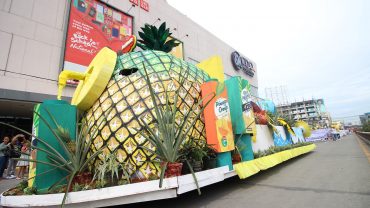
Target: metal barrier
[{"x": 365, "y": 136}]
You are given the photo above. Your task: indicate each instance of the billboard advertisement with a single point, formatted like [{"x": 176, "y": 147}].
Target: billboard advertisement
[{"x": 93, "y": 25}]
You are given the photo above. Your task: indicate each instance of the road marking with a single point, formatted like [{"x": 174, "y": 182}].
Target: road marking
[{"x": 364, "y": 149}]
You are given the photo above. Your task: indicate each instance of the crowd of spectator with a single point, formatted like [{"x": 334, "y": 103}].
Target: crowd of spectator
[{"x": 14, "y": 154}]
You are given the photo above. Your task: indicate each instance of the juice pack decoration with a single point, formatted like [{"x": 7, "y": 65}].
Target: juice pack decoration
[
  {"x": 240, "y": 98},
  {"x": 46, "y": 116},
  {"x": 217, "y": 118},
  {"x": 242, "y": 116},
  {"x": 248, "y": 115}
]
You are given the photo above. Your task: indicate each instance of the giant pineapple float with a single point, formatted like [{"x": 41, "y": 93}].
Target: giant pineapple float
[
  {"x": 115, "y": 96},
  {"x": 126, "y": 100},
  {"x": 116, "y": 99}
]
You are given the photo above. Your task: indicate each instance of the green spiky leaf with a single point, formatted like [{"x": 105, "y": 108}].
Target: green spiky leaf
[{"x": 154, "y": 38}]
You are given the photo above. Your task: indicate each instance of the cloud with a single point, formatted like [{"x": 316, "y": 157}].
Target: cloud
[{"x": 316, "y": 48}]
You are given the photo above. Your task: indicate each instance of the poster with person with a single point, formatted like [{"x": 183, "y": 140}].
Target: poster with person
[{"x": 93, "y": 25}]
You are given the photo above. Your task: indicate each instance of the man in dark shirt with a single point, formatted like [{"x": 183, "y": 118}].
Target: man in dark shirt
[
  {"x": 3, "y": 155},
  {"x": 14, "y": 153}
]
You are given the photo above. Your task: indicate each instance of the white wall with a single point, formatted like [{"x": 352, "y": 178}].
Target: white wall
[
  {"x": 298, "y": 137},
  {"x": 32, "y": 31},
  {"x": 264, "y": 138},
  {"x": 31, "y": 39},
  {"x": 199, "y": 45}
]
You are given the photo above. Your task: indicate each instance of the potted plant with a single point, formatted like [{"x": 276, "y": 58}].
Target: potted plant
[
  {"x": 166, "y": 132},
  {"x": 194, "y": 153},
  {"x": 236, "y": 158},
  {"x": 210, "y": 160},
  {"x": 110, "y": 172}
]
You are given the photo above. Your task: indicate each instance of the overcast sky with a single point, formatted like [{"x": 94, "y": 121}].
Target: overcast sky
[{"x": 317, "y": 48}]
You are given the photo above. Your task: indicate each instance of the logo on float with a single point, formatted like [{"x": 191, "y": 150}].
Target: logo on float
[
  {"x": 242, "y": 63},
  {"x": 221, "y": 108}
]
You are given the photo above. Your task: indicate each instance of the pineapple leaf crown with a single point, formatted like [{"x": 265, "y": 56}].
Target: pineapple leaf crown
[{"x": 153, "y": 38}]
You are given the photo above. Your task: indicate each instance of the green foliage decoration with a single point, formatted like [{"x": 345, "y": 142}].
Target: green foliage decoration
[
  {"x": 275, "y": 149},
  {"x": 153, "y": 38},
  {"x": 110, "y": 168},
  {"x": 366, "y": 127},
  {"x": 191, "y": 150},
  {"x": 168, "y": 135}
]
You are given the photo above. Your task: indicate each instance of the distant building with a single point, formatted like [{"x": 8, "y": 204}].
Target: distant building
[
  {"x": 312, "y": 111},
  {"x": 365, "y": 118}
]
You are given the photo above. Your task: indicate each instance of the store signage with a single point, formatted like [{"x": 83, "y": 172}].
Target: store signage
[
  {"x": 242, "y": 63},
  {"x": 143, "y": 4},
  {"x": 93, "y": 25}
]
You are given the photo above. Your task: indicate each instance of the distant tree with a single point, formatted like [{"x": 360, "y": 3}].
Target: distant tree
[{"x": 366, "y": 127}]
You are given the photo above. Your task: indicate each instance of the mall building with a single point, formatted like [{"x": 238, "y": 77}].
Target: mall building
[{"x": 34, "y": 36}]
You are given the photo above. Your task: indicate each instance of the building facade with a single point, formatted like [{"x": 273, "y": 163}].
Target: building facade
[
  {"x": 33, "y": 36},
  {"x": 365, "y": 118},
  {"x": 312, "y": 111}
]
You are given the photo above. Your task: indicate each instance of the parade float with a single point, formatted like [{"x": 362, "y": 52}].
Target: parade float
[{"x": 137, "y": 119}]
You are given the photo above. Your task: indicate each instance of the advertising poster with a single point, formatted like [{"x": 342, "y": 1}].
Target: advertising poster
[
  {"x": 248, "y": 114},
  {"x": 217, "y": 118},
  {"x": 93, "y": 25}
]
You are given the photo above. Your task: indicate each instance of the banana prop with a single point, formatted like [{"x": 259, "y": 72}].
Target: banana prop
[
  {"x": 270, "y": 124},
  {"x": 285, "y": 124},
  {"x": 305, "y": 127}
]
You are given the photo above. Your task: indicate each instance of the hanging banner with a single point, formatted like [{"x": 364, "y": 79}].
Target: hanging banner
[{"x": 93, "y": 25}]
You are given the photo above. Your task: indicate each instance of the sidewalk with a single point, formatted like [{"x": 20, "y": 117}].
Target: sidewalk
[{"x": 6, "y": 184}]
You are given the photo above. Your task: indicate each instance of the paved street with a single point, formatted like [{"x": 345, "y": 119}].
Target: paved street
[
  {"x": 336, "y": 175},
  {"x": 5, "y": 184}
]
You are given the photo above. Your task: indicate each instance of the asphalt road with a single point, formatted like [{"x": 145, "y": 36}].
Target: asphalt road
[{"x": 336, "y": 174}]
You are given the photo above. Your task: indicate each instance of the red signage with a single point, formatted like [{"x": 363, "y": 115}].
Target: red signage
[
  {"x": 143, "y": 4},
  {"x": 136, "y": 2},
  {"x": 93, "y": 25}
]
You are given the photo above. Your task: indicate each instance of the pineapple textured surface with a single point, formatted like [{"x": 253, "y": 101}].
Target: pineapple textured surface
[{"x": 126, "y": 100}]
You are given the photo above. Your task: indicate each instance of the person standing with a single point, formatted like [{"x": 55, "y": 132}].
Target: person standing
[
  {"x": 3, "y": 155},
  {"x": 14, "y": 153},
  {"x": 23, "y": 164}
]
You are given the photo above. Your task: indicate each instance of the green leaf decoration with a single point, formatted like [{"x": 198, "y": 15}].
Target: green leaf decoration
[{"x": 153, "y": 38}]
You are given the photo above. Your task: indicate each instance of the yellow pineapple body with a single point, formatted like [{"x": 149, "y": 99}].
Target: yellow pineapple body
[{"x": 126, "y": 100}]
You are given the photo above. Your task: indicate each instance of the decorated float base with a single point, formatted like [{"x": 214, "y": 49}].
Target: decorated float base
[
  {"x": 249, "y": 168},
  {"x": 149, "y": 191}
]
